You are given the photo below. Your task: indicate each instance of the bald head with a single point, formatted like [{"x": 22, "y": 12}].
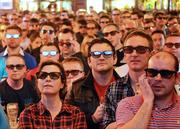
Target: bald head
[{"x": 166, "y": 58}]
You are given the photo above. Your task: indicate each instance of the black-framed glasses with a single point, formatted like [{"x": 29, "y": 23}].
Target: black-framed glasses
[
  {"x": 170, "y": 45},
  {"x": 104, "y": 22},
  {"x": 17, "y": 66},
  {"x": 112, "y": 33},
  {"x": 139, "y": 49},
  {"x": 162, "y": 18},
  {"x": 116, "y": 14},
  {"x": 81, "y": 27},
  {"x": 73, "y": 72},
  {"x": 106, "y": 54},
  {"x": 91, "y": 28},
  {"x": 47, "y": 31},
  {"x": 14, "y": 36},
  {"x": 67, "y": 44},
  {"x": 167, "y": 74},
  {"x": 51, "y": 53},
  {"x": 52, "y": 75}
]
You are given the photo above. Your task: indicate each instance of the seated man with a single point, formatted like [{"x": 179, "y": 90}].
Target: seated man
[
  {"x": 16, "y": 89},
  {"x": 158, "y": 105},
  {"x": 74, "y": 70}
]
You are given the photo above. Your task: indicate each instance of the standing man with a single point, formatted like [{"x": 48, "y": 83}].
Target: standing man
[
  {"x": 137, "y": 48},
  {"x": 89, "y": 92},
  {"x": 157, "y": 106}
]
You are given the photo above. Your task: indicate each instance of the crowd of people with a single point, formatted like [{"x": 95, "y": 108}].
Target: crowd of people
[{"x": 106, "y": 70}]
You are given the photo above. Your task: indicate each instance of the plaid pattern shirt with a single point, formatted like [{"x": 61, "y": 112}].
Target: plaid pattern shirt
[
  {"x": 38, "y": 117},
  {"x": 116, "y": 92}
]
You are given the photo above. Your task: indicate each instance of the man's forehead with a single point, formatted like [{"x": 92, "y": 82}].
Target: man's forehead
[
  {"x": 12, "y": 30},
  {"x": 15, "y": 60},
  {"x": 109, "y": 27}
]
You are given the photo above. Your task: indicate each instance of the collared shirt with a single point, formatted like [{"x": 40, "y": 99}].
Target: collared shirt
[
  {"x": 5, "y": 52},
  {"x": 29, "y": 61},
  {"x": 167, "y": 117},
  {"x": 38, "y": 117},
  {"x": 117, "y": 91}
]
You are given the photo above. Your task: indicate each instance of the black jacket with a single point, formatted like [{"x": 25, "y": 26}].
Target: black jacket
[{"x": 84, "y": 95}]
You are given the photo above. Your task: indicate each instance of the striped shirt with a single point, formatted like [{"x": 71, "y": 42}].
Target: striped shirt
[{"x": 167, "y": 117}]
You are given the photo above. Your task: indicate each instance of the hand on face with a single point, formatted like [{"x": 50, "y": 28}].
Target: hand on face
[{"x": 145, "y": 88}]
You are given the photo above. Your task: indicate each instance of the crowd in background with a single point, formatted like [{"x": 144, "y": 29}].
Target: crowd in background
[{"x": 70, "y": 70}]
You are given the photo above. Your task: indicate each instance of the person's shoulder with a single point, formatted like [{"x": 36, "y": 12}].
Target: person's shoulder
[{"x": 71, "y": 108}]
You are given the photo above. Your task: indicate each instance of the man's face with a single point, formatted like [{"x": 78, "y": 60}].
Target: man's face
[
  {"x": 18, "y": 72},
  {"x": 135, "y": 60},
  {"x": 173, "y": 25},
  {"x": 172, "y": 45},
  {"x": 82, "y": 28},
  {"x": 34, "y": 26},
  {"x": 12, "y": 38},
  {"x": 158, "y": 40},
  {"x": 73, "y": 70},
  {"x": 13, "y": 19},
  {"x": 64, "y": 15},
  {"x": 103, "y": 63},
  {"x": 66, "y": 44},
  {"x": 111, "y": 33},
  {"x": 91, "y": 29},
  {"x": 49, "y": 53},
  {"x": 162, "y": 87},
  {"x": 161, "y": 19},
  {"x": 47, "y": 34},
  {"x": 103, "y": 22},
  {"x": 115, "y": 16}
]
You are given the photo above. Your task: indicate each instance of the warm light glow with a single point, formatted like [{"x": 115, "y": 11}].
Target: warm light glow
[
  {"x": 121, "y": 4},
  {"x": 96, "y": 4}
]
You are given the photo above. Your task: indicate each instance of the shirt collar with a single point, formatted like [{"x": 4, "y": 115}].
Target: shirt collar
[
  {"x": 65, "y": 108},
  {"x": 175, "y": 100},
  {"x": 21, "y": 52}
]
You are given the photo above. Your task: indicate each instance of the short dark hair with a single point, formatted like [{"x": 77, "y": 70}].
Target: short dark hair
[
  {"x": 158, "y": 32},
  {"x": 53, "y": 25},
  {"x": 65, "y": 31},
  {"x": 101, "y": 41},
  {"x": 63, "y": 77},
  {"x": 14, "y": 27},
  {"x": 73, "y": 59},
  {"x": 51, "y": 44},
  {"x": 142, "y": 34}
]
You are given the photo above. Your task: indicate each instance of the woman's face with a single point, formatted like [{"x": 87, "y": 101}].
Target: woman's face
[
  {"x": 49, "y": 80},
  {"x": 36, "y": 43}
]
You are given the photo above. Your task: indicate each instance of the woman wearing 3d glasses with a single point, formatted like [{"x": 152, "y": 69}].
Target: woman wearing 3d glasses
[{"x": 51, "y": 112}]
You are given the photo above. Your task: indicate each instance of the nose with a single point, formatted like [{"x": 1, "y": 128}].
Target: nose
[{"x": 158, "y": 77}]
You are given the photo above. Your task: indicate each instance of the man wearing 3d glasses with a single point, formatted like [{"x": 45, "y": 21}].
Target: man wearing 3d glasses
[
  {"x": 67, "y": 44},
  {"x": 157, "y": 106},
  {"x": 13, "y": 38},
  {"x": 89, "y": 92}
]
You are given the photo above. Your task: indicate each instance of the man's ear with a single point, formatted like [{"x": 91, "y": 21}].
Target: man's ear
[
  {"x": 115, "y": 59},
  {"x": 89, "y": 61},
  {"x": 178, "y": 78}
]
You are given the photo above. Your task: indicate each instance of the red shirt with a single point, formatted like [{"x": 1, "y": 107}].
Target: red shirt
[
  {"x": 101, "y": 90},
  {"x": 38, "y": 117}
]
